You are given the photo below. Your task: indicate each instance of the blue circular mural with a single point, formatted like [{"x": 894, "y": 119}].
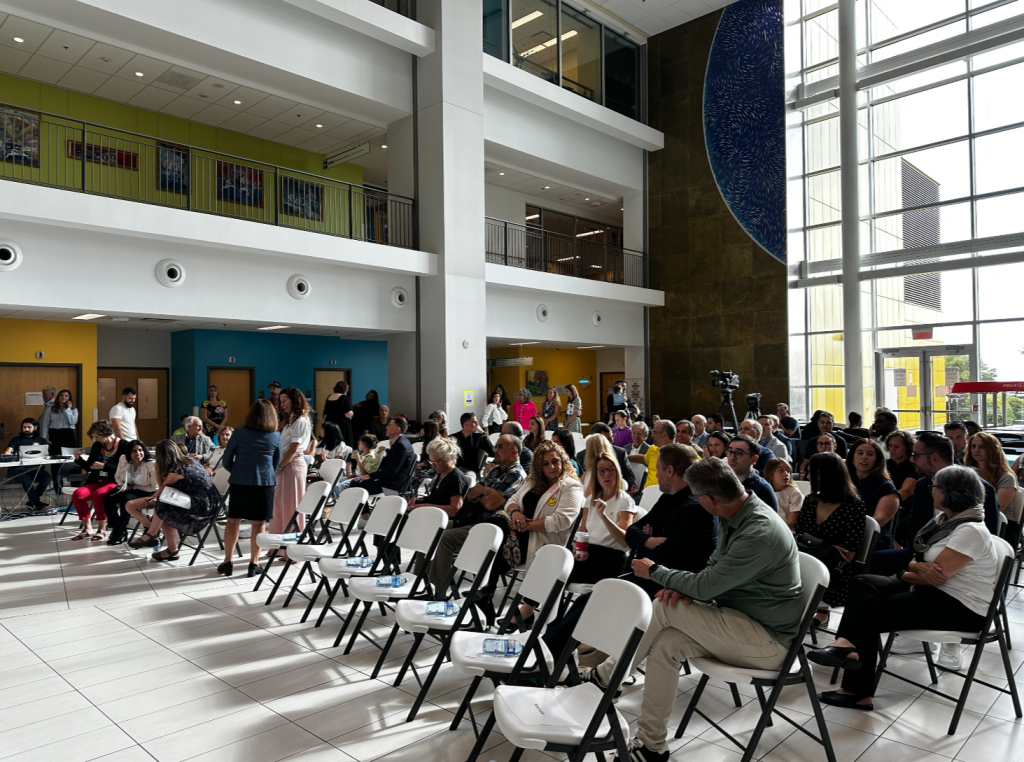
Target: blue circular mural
[{"x": 745, "y": 120}]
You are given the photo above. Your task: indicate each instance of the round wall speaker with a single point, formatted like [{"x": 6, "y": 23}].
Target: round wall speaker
[
  {"x": 542, "y": 312},
  {"x": 298, "y": 287},
  {"x": 399, "y": 297},
  {"x": 170, "y": 273},
  {"x": 10, "y": 256},
  {"x": 596, "y": 318}
]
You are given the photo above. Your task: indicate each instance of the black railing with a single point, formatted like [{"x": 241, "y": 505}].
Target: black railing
[
  {"x": 49, "y": 150},
  {"x": 514, "y": 245}
]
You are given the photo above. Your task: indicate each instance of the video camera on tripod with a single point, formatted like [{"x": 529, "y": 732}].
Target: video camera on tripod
[{"x": 727, "y": 382}]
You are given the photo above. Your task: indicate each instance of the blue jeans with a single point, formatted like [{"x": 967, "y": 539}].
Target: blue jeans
[
  {"x": 33, "y": 480},
  {"x": 341, "y": 485}
]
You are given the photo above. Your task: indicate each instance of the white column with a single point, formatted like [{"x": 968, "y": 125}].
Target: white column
[
  {"x": 850, "y": 173},
  {"x": 450, "y": 93}
]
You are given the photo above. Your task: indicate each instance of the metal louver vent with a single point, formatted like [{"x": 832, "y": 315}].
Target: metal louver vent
[
  {"x": 176, "y": 79},
  {"x": 920, "y": 228}
]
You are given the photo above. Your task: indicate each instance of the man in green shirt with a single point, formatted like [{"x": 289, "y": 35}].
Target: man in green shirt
[{"x": 744, "y": 608}]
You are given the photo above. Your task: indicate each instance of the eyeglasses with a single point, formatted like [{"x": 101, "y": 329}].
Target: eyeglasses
[
  {"x": 829, "y": 443},
  {"x": 605, "y": 471},
  {"x": 738, "y": 453}
]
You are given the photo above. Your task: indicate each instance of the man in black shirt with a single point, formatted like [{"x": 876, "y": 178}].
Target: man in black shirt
[
  {"x": 472, "y": 442},
  {"x": 789, "y": 424},
  {"x": 514, "y": 429},
  {"x": 34, "y": 480}
]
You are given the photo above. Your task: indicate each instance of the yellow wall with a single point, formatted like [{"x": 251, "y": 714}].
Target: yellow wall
[
  {"x": 62, "y": 343},
  {"x": 564, "y": 366}
]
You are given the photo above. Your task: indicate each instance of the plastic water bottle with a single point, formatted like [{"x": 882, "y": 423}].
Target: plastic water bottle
[
  {"x": 391, "y": 580},
  {"x": 502, "y": 647},
  {"x": 291, "y": 537},
  {"x": 442, "y": 608},
  {"x": 360, "y": 562}
]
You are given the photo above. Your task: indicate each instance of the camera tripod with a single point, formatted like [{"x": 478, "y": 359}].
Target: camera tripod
[{"x": 727, "y": 404}]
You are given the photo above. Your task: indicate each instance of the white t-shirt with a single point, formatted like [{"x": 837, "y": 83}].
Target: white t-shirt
[
  {"x": 790, "y": 499},
  {"x": 299, "y": 431},
  {"x": 127, "y": 416},
  {"x": 599, "y": 534},
  {"x": 973, "y": 584}
]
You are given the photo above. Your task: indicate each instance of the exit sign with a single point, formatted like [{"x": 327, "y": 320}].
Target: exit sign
[{"x": 923, "y": 334}]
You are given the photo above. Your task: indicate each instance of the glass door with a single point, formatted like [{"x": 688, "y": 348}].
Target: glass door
[
  {"x": 899, "y": 387},
  {"x": 916, "y": 383}
]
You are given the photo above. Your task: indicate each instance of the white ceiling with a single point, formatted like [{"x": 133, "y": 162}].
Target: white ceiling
[
  {"x": 532, "y": 185},
  {"x": 68, "y": 60},
  {"x": 655, "y": 16}
]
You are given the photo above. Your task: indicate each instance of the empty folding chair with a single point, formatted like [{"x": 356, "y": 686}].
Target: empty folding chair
[
  {"x": 384, "y": 522},
  {"x": 651, "y": 496},
  {"x": 420, "y": 534},
  {"x": 992, "y": 632},
  {"x": 541, "y": 589},
  {"x": 475, "y": 558},
  {"x": 614, "y": 621},
  {"x": 794, "y": 670},
  {"x": 310, "y": 506},
  {"x": 220, "y": 481}
]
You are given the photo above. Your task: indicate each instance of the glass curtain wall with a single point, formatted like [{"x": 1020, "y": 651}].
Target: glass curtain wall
[
  {"x": 581, "y": 54},
  {"x": 535, "y": 37},
  {"x": 941, "y": 162},
  {"x": 496, "y": 28},
  {"x": 621, "y": 74}
]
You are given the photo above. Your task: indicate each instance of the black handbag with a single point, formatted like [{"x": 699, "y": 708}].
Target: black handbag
[{"x": 818, "y": 548}]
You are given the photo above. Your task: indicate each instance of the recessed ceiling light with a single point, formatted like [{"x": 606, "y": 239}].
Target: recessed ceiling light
[
  {"x": 586, "y": 199},
  {"x": 203, "y": 95},
  {"x": 523, "y": 343},
  {"x": 272, "y": 328},
  {"x": 238, "y": 103},
  {"x": 547, "y": 187},
  {"x": 383, "y": 146},
  {"x": 87, "y": 316},
  {"x": 139, "y": 74},
  {"x": 502, "y": 174},
  {"x": 596, "y": 346},
  {"x": 319, "y": 126},
  {"x": 18, "y": 39}
]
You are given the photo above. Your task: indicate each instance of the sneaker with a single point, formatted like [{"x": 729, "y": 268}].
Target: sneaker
[
  {"x": 245, "y": 534},
  {"x": 590, "y": 675},
  {"x": 949, "y": 656},
  {"x": 903, "y": 645},
  {"x": 638, "y": 752}
]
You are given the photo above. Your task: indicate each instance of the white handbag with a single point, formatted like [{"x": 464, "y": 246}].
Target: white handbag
[{"x": 175, "y": 497}]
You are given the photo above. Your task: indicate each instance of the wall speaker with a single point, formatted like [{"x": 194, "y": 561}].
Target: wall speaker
[
  {"x": 170, "y": 273},
  {"x": 542, "y": 312},
  {"x": 399, "y": 297},
  {"x": 596, "y": 318},
  {"x": 10, "y": 256},
  {"x": 299, "y": 287}
]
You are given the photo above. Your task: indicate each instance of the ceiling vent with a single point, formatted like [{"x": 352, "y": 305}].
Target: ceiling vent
[{"x": 178, "y": 80}]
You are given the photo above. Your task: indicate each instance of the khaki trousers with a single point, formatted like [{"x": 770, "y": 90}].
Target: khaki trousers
[
  {"x": 684, "y": 632},
  {"x": 451, "y": 543}
]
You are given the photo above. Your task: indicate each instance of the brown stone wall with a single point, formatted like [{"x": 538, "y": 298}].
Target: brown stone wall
[{"x": 725, "y": 297}]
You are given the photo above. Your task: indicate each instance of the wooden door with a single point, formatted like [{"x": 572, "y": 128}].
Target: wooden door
[
  {"x": 151, "y": 406},
  {"x": 17, "y": 380},
  {"x": 236, "y": 387},
  {"x": 324, "y": 380}
]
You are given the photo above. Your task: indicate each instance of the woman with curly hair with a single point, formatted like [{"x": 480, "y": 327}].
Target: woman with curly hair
[{"x": 296, "y": 432}]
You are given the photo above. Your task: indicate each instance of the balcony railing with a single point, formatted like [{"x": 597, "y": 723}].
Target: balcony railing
[
  {"x": 47, "y": 149},
  {"x": 509, "y": 243}
]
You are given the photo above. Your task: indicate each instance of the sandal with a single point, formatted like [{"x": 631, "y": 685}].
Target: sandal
[
  {"x": 159, "y": 556},
  {"x": 834, "y": 656},
  {"x": 97, "y": 536},
  {"x": 142, "y": 542},
  {"x": 80, "y": 536},
  {"x": 844, "y": 700}
]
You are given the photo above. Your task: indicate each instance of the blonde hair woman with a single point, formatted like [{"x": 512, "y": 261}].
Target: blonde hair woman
[
  {"x": 450, "y": 484},
  {"x": 550, "y": 409},
  {"x": 609, "y": 502},
  {"x": 597, "y": 444}
]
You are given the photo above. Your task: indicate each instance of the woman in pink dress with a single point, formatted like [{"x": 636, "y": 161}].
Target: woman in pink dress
[
  {"x": 291, "y": 472},
  {"x": 524, "y": 409}
]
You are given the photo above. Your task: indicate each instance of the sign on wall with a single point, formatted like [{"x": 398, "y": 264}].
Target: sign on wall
[{"x": 467, "y": 398}]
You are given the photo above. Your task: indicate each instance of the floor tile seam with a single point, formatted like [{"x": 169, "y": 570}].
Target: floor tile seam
[
  {"x": 90, "y": 759},
  {"x": 426, "y": 705},
  {"x": 276, "y": 759}
]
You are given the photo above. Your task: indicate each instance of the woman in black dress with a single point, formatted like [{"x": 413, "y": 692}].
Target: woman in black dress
[
  {"x": 903, "y": 475},
  {"x": 866, "y": 464},
  {"x": 834, "y": 513},
  {"x": 338, "y": 409},
  {"x": 366, "y": 412}
]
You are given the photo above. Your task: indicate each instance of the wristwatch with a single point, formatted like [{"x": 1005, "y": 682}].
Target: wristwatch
[{"x": 652, "y": 568}]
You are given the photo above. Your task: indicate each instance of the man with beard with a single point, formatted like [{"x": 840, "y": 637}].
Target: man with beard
[{"x": 122, "y": 416}]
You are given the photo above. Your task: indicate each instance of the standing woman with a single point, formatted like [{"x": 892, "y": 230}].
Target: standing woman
[
  {"x": 551, "y": 408},
  {"x": 338, "y": 409},
  {"x": 866, "y": 464},
  {"x": 494, "y": 415},
  {"x": 215, "y": 413},
  {"x": 524, "y": 409},
  {"x": 135, "y": 477},
  {"x": 505, "y": 403},
  {"x": 296, "y": 433},
  {"x": 366, "y": 412},
  {"x": 573, "y": 409},
  {"x": 57, "y": 426},
  {"x": 985, "y": 456},
  {"x": 252, "y": 457},
  {"x": 616, "y": 400}
]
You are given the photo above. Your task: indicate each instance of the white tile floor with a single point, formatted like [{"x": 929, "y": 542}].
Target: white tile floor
[{"x": 110, "y": 656}]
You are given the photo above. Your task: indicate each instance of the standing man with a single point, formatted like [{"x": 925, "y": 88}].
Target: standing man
[
  {"x": 379, "y": 425},
  {"x": 122, "y": 416},
  {"x": 275, "y": 396},
  {"x": 48, "y": 392},
  {"x": 700, "y": 433},
  {"x": 788, "y": 423}
]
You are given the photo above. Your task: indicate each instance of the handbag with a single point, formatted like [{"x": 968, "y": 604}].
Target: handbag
[
  {"x": 818, "y": 548},
  {"x": 176, "y": 498}
]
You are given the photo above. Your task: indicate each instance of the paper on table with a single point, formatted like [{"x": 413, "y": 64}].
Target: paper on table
[{"x": 538, "y": 707}]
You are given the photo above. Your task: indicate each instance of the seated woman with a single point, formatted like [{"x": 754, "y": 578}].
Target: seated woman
[
  {"x": 535, "y": 435},
  {"x": 622, "y": 434},
  {"x": 779, "y": 474},
  {"x": 833, "y": 513},
  {"x": 607, "y": 513},
  {"x": 331, "y": 445},
  {"x": 440, "y": 418},
  {"x": 948, "y": 589},
  {"x": 175, "y": 469},
  {"x": 564, "y": 437},
  {"x": 866, "y": 465},
  {"x": 899, "y": 445},
  {"x": 824, "y": 442},
  {"x": 100, "y": 466},
  {"x": 450, "y": 484},
  {"x": 985, "y": 455},
  {"x": 424, "y": 471},
  {"x": 136, "y": 478},
  {"x": 542, "y": 511},
  {"x": 597, "y": 445},
  {"x": 716, "y": 445}
]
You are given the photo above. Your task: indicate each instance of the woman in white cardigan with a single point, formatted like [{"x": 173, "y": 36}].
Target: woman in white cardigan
[
  {"x": 543, "y": 510},
  {"x": 494, "y": 415},
  {"x": 135, "y": 477},
  {"x": 609, "y": 503}
]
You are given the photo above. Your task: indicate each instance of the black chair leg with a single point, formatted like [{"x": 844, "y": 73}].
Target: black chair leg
[
  {"x": 466, "y": 701},
  {"x": 384, "y": 652},
  {"x": 931, "y": 663},
  {"x": 295, "y": 584},
  {"x": 266, "y": 569},
  {"x": 1004, "y": 649},
  {"x": 697, "y": 693},
  {"x": 358, "y": 627},
  {"x": 199, "y": 547},
  {"x": 760, "y": 700},
  {"x": 417, "y": 639},
  {"x": 819, "y": 716},
  {"x": 327, "y": 606},
  {"x": 735, "y": 695},
  {"x": 312, "y": 599},
  {"x": 277, "y": 584},
  {"x": 481, "y": 739},
  {"x": 422, "y": 695},
  {"x": 968, "y": 681}
]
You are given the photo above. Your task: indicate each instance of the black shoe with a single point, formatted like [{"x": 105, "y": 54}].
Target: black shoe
[
  {"x": 640, "y": 753},
  {"x": 116, "y": 538},
  {"x": 589, "y": 675},
  {"x": 225, "y": 569},
  {"x": 254, "y": 569}
]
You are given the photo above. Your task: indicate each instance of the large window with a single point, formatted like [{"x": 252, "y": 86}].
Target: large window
[
  {"x": 568, "y": 48},
  {"x": 941, "y": 169}
]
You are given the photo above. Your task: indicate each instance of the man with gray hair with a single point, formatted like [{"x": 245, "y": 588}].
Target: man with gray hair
[
  {"x": 753, "y": 580},
  {"x": 515, "y": 429},
  {"x": 700, "y": 433},
  {"x": 199, "y": 445},
  {"x": 685, "y": 431}
]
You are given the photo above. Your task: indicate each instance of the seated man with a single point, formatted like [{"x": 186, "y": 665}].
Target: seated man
[
  {"x": 199, "y": 445},
  {"x": 751, "y": 428},
  {"x": 677, "y": 534},
  {"x": 770, "y": 438},
  {"x": 394, "y": 470},
  {"x": 471, "y": 443},
  {"x": 744, "y": 608},
  {"x": 34, "y": 480},
  {"x": 483, "y": 504},
  {"x": 515, "y": 429}
]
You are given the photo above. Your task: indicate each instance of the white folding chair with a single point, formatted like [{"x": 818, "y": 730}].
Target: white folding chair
[
  {"x": 312, "y": 502},
  {"x": 541, "y": 589},
  {"x": 384, "y": 521},
  {"x": 420, "y": 534},
  {"x": 614, "y": 622},
  {"x": 651, "y": 496},
  {"x": 417, "y": 449},
  {"x": 639, "y": 472},
  {"x": 474, "y": 558},
  {"x": 993, "y": 631},
  {"x": 493, "y": 437},
  {"x": 794, "y": 670},
  {"x": 548, "y": 434},
  {"x": 804, "y": 487}
]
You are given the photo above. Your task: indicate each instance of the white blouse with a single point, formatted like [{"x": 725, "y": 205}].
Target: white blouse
[
  {"x": 493, "y": 414},
  {"x": 299, "y": 431},
  {"x": 599, "y": 534}
]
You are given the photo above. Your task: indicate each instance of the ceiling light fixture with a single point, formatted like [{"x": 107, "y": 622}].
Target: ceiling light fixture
[
  {"x": 139, "y": 74},
  {"x": 547, "y": 187},
  {"x": 502, "y": 174},
  {"x": 586, "y": 199},
  {"x": 18, "y": 39},
  {"x": 319, "y": 126},
  {"x": 532, "y": 216},
  {"x": 596, "y": 346},
  {"x": 526, "y": 19},
  {"x": 523, "y": 343},
  {"x": 272, "y": 328},
  {"x": 87, "y": 316},
  {"x": 589, "y": 232},
  {"x": 549, "y": 43},
  {"x": 383, "y": 146},
  {"x": 238, "y": 103}
]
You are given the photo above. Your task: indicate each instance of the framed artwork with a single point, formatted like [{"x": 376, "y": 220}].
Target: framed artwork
[
  {"x": 175, "y": 167},
  {"x": 99, "y": 154},
  {"x": 302, "y": 198},
  {"x": 239, "y": 184},
  {"x": 537, "y": 382},
  {"x": 19, "y": 136}
]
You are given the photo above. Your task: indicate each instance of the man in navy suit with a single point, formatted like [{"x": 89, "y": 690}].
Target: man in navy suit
[{"x": 394, "y": 470}]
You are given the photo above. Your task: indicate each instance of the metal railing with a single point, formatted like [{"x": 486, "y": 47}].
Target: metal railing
[
  {"x": 514, "y": 245},
  {"x": 49, "y": 150}
]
